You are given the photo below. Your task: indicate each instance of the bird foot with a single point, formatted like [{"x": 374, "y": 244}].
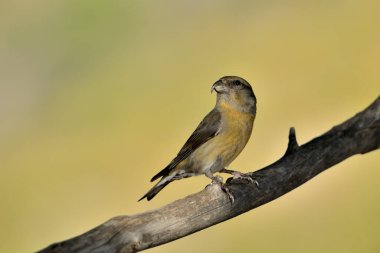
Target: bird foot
[
  {"x": 218, "y": 180},
  {"x": 228, "y": 192},
  {"x": 240, "y": 175},
  {"x": 246, "y": 177}
]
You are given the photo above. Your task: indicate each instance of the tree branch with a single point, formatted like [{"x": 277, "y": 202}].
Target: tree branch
[{"x": 358, "y": 135}]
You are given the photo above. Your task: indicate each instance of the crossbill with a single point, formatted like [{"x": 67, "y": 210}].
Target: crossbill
[{"x": 218, "y": 139}]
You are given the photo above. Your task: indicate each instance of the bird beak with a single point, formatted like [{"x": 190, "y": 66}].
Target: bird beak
[{"x": 216, "y": 86}]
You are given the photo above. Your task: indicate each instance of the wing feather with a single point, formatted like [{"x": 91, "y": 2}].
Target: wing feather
[{"x": 206, "y": 130}]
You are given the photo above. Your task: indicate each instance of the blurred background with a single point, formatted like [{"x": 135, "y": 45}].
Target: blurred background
[{"x": 98, "y": 96}]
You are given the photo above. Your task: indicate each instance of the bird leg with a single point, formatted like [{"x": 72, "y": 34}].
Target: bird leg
[
  {"x": 239, "y": 175},
  {"x": 218, "y": 180}
]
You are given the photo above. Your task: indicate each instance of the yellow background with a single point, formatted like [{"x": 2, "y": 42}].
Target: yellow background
[{"x": 98, "y": 96}]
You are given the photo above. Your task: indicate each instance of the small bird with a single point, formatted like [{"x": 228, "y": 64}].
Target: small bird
[{"x": 218, "y": 139}]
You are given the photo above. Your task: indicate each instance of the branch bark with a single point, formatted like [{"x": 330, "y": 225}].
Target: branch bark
[{"x": 358, "y": 135}]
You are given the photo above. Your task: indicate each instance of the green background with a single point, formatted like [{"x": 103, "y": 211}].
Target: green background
[{"x": 97, "y": 96}]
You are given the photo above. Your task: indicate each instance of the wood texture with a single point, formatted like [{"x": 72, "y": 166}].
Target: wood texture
[{"x": 358, "y": 135}]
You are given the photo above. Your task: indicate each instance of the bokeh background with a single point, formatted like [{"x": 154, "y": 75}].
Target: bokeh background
[{"x": 97, "y": 96}]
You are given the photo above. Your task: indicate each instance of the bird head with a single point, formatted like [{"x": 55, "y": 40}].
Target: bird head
[{"x": 235, "y": 92}]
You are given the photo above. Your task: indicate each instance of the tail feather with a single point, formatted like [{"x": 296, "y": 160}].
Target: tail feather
[
  {"x": 162, "y": 173},
  {"x": 156, "y": 189}
]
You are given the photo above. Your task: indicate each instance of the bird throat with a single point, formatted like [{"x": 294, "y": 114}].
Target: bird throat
[{"x": 239, "y": 105}]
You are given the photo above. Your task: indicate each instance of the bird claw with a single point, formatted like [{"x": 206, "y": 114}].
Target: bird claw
[
  {"x": 250, "y": 179},
  {"x": 228, "y": 192},
  {"x": 242, "y": 176},
  {"x": 217, "y": 180}
]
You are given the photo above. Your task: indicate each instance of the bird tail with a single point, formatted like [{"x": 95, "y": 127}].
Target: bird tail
[
  {"x": 156, "y": 189},
  {"x": 162, "y": 173}
]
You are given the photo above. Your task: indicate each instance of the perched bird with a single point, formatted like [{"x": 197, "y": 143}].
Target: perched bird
[{"x": 217, "y": 140}]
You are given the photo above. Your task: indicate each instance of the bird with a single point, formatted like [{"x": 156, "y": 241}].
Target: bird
[{"x": 218, "y": 139}]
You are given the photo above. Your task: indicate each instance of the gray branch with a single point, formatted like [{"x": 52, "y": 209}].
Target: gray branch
[{"x": 358, "y": 135}]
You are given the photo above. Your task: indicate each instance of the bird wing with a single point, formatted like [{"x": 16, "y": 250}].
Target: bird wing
[{"x": 206, "y": 130}]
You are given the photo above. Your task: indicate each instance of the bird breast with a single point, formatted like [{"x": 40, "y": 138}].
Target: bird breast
[{"x": 220, "y": 151}]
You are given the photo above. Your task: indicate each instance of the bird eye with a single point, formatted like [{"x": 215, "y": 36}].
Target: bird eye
[{"x": 236, "y": 83}]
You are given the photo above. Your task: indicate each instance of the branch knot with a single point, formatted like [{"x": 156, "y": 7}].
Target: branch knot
[{"x": 292, "y": 144}]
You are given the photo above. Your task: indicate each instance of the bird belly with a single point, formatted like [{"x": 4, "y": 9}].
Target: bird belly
[{"x": 220, "y": 151}]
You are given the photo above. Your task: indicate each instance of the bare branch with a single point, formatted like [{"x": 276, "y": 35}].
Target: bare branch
[{"x": 358, "y": 135}]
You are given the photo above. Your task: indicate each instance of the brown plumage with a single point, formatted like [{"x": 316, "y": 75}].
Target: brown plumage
[{"x": 218, "y": 139}]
